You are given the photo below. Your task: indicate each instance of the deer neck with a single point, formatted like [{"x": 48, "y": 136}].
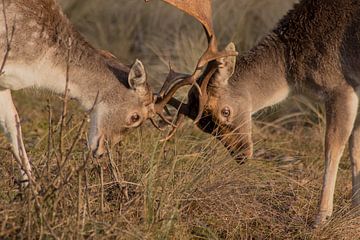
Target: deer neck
[
  {"x": 83, "y": 70},
  {"x": 261, "y": 75},
  {"x": 85, "y": 76}
]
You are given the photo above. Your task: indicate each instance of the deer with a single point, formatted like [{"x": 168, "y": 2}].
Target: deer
[
  {"x": 43, "y": 50},
  {"x": 314, "y": 50}
]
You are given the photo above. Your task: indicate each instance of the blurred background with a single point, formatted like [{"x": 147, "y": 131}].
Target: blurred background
[{"x": 157, "y": 33}]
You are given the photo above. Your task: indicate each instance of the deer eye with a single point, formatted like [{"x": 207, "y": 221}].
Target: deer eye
[
  {"x": 226, "y": 112},
  {"x": 135, "y": 118}
]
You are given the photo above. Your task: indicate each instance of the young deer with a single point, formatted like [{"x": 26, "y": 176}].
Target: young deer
[
  {"x": 315, "y": 48},
  {"x": 41, "y": 39}
]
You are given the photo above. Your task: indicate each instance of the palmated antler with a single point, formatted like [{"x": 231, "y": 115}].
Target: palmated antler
[{"x": 202, "y": 11}]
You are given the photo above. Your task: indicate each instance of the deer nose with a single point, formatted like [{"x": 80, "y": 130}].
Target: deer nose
[
  {"x": 241, "y": 156},
  {"x": 97, "y": 155},
  {"x": 99, "y": 152}
]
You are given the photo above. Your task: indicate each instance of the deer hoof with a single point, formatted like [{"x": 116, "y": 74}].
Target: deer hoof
[{"x": 321, "y": 220}]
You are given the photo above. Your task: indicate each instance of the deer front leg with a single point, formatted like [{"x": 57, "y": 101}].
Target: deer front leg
[
  {"x": 354, "y": 148},
  {"x": 341, "y": 110},
  {"x": 9, "y": 121}
]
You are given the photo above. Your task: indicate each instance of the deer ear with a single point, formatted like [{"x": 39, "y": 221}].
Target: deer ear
[
  {"x": 137, "y": 77},
  {"x": 227, "y": 64}
]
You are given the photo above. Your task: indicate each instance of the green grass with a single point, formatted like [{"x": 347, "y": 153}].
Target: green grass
[{"x": 188, "y": 188}]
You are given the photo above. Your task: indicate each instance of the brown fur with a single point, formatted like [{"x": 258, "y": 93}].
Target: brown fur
[{"x": 314, "y": 49}]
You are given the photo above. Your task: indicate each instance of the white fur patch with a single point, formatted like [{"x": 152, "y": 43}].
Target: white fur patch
[
  {"x": 279, "y": 96},
  {"x": 95, "y": 130},
  {"x": 276, "y": 97},
  {"x": 39, "y": 74}
]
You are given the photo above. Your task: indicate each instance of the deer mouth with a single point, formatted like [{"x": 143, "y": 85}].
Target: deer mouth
[
  {"x": 241, "y": 156},
  {"x": 239, "y": 147}
]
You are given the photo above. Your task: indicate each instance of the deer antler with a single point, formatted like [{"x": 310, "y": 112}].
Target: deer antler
[{"x": 202, "y": 11}]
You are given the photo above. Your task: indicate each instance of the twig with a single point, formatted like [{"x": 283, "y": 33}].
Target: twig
[
  {"x": 77, "y": 138},
  {"x": 101, "y": 188},
  {"x": 49, "y": 147},
  {"x": 29, "y": 217},
  {"x": 115, "y": 182},
  {"x": 116, "y": 173},
  {"x": 79, "y": 205},
  {"x": 6, "y": 149},
  {"x": 66, "y": 179},
  {"x": 87, "y": 185},
  {"x": 65, "y": 105},
  {"x": 8, "y": 39}
]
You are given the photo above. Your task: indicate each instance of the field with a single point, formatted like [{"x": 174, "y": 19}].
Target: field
[{"x": 188, "y": 188}]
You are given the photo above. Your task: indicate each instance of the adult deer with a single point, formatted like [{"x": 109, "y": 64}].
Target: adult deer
[
  {"x": 315, "y": 48},
  {"x": 45, "y": 48}
]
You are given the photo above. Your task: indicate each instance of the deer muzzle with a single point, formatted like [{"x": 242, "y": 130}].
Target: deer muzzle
[
  {"x": 238, "y": 143},
  {"x": 99, "y": 149}
]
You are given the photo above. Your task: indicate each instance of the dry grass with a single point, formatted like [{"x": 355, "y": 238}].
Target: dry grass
[{"x": 189, "y": 188}]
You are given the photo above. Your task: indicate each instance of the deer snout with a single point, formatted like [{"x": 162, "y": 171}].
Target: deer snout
[
  {"x": 240, "y": 150},
  {"x": 97, "y": 154},
  {"x": 242, "y": 156},
  {"x": 99, "y": 149}
]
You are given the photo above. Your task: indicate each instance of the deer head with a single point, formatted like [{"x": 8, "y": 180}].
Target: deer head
[
  {"x": 209, "y": 103},
  {"x": 111, "y": 118},
  {"x": 226, "y": 115}
]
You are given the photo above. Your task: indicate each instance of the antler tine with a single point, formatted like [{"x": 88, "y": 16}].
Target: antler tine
[
  {"x": 203, "y": 98},
  {"x": 154, "y": 123},
  {"x": 172, "y": 79},
  {"x": 176, "y": 80},
  {"x": 179, "y": 120},
  {"x": 183, "y": 110}
]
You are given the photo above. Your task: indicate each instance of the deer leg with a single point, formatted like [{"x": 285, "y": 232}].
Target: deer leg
[
  {"x": 341, "y": 111},
  {"x": 354, "y": 148},
  {"x": 9, "y": 121}
]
